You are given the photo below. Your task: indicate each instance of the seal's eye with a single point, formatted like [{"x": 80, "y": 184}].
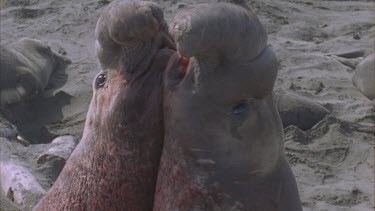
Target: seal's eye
[
  {"x": 100, "y": 80},
  {"x": 240, "y": 108}
]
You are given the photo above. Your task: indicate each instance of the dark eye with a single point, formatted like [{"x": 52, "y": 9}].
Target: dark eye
[
  {"x": 100, "y": 80},
  {"x": 239, "y": 108}
]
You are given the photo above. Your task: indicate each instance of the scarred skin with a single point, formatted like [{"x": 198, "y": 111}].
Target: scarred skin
[
  {"x": 223, "y": 145},
  {"x": 115, "y": 165},
  {"x": 211, "y": 114}
]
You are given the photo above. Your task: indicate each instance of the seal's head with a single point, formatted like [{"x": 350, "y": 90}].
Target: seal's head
[
  {"x": 223, "y": 136},
  {"x": 226, "y": 84},
  {"x": 28, "y": 67},
  {"x": 115, "y": 165}
]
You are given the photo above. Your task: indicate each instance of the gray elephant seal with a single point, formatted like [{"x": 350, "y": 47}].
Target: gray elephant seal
[
  {"x": 115, "y": 165},
  {"x": 299, "y": 111},
  {"x": 364, "y": 76},
  {"x": 223, "y": 145},
  {"x": 27, "y": 68}
]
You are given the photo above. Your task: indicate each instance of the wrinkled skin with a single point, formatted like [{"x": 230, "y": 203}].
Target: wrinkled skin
[
  {"x": 223, "y": 146},
  {"x": 115, "y": 165},
  {"x": 222, "y": 137}
]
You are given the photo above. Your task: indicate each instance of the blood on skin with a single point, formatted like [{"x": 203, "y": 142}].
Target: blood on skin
[
  {"x": 184, "y": 61},
  {"x": 176, "y": 70}
]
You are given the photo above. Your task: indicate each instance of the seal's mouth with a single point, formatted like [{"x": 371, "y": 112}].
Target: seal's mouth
[
  {"x": 176, "y": 68},
  {"x": 166, "y": 40}
]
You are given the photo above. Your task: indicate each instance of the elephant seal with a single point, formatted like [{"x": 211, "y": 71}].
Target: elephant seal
[
  {"x": 299, "y": 111},
  {"x": 27, "y": 68},
  {"x": 364, "y": 76},
  {"x": 114, "y": 167},
  {"x": 223, "y": 146}
]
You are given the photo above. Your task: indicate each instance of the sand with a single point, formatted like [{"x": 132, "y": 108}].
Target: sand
[{"x": 333, "y": 162}]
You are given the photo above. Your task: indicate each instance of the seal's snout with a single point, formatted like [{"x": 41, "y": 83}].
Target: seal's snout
[
  {"x": 129, "y": 35},
  {"x": 201, "y": 31}
]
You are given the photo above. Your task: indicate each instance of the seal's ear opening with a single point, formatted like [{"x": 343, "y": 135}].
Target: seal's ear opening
[{"x": 176, "y": 70}]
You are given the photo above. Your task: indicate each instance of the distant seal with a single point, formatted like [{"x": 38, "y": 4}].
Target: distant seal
[
  {"x": 27, "y": 68},
  {"x": 298, "y": 111},
  {"x": 223, "y": 146},
  {"x": 115, "y": 165},
  {"x": 364, "y": 76}
]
